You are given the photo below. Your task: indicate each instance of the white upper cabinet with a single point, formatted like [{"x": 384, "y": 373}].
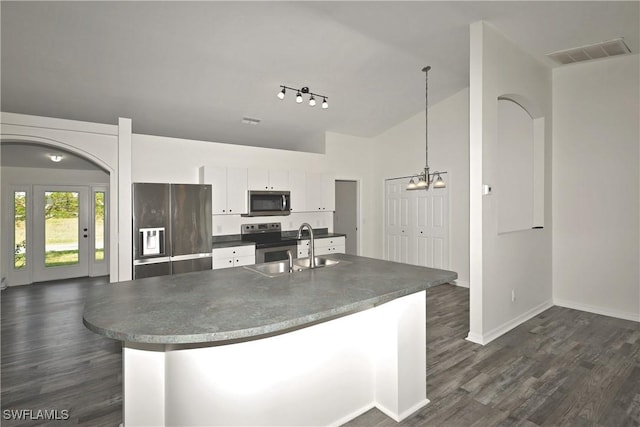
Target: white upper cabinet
[
  {"x": 298, "y": 188},
  {"x": 229, "y": 189},
  {"x": 321, "y": 192},
  {"x": 310, "y": 192},
  {"x": 268, "y": 180},
  {"x": 237, "y": 190}
]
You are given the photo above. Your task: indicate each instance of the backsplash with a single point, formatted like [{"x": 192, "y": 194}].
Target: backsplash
[{"x": 230, "y": 224}]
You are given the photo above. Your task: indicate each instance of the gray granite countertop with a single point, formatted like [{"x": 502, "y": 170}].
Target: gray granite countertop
[{"x": 236, "y": 304}]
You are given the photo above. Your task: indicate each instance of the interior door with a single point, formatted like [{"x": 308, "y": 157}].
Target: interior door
[
  {"x": 416, "y": 225},
  {"x": 397, "y": 223},
  {"x": 61, "y": 231},
  {"x": 431, "y": 242}
]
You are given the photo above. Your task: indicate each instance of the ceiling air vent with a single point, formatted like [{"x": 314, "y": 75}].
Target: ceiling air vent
[
  {"x": 250, "y": 121},
  {"x": 592, "y": 51}
]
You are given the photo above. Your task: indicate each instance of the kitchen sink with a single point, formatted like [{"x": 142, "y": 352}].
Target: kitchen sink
[
  {"x": 320, "y": 262},
  {"x": 280, "y": 268}
]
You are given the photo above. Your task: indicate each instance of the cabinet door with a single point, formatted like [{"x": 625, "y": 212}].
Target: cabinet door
[
  {"x": 221, "y": 263},
  {"x": 298, "y": 188},
  {"x": 217, "y": 177},
  {"x": 279, "y": 180},
  {"x": 303, "y": 248},
  {"x": 237, "y": 190},
  {"x": 321, "y": 192},
  {"x": 328, "y": 193},
  {"x": 314, "y": 192},
  {"x": 244, "y": 260},
  {"x": 258, "y": 179}
]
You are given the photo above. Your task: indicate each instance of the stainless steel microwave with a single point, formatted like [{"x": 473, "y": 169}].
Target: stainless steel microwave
[{"x": 268, "y": 203}]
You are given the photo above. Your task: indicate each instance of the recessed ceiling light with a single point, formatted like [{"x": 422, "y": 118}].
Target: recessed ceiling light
[{"x": 55, "y": 157}]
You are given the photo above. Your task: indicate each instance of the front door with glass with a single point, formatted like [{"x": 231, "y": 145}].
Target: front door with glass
[{"x": 61, "y": 231}]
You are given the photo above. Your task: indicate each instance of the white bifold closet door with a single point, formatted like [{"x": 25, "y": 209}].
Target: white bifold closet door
[{"x": 416, "y": 225}]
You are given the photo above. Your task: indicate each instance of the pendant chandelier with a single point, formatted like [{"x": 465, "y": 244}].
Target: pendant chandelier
[{"x": 425, "y": 179}]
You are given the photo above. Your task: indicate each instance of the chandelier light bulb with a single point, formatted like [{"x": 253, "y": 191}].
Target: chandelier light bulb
[
  {"x": 439, "y": 182},
  {"x": 312, "y": 101},
  {"x": 299, "y": 98},
  {"x": 325, "y": 105},
  {"x": 281, "y": 93}
]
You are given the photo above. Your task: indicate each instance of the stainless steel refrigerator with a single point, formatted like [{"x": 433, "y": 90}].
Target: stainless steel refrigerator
[{"x": 171, "y": 229}]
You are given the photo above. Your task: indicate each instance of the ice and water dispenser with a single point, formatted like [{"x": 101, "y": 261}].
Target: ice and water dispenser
[{"x": 152, "y": 241}]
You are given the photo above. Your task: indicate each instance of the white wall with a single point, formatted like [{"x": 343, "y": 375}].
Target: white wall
[
  {"x": 15, "y": 176},
  {"x": 400, "y": 151},
  {"x": 517, "y": 263},
  {"x": 596, "y": 187},
  {"x": 162, "y": 159}
]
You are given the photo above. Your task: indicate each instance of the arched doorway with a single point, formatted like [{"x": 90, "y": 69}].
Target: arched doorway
[{"x": 56, "y": 214}]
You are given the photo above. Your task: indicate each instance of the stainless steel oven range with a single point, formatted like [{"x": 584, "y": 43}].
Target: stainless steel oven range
[{"x": 270, "y": 244}]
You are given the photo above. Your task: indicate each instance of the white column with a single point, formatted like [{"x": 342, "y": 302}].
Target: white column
[
  {"x": 400, "y": 365},
  {"x": 122, "y": 209}
]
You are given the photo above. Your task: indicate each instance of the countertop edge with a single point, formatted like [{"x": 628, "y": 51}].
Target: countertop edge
[
  {"x": 263, "y": 331},
  {"x": 277, "y": 325}
]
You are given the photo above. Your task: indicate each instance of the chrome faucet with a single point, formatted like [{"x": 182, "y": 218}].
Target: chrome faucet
[
  {"x": 312, "y": 256},
  {"x": 290, "y": 257}
]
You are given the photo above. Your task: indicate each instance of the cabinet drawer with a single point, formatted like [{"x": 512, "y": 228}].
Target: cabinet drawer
[
  {"x": 329, "y": 242},
  {"x": 234, "y": 252},
  {"x": 244, "y": 260}
]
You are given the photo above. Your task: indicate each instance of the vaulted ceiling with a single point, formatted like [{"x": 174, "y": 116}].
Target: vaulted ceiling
[{"x": 195, "y": 69}]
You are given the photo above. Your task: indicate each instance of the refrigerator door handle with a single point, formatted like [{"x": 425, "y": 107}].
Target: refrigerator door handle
[
  {"x": 156, "y": 260},
  {"x": 191, "y": 256}
]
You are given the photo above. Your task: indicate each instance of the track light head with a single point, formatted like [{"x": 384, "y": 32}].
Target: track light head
[
  {"x": 312, "y": 101},
  {"x": 325, "y": 105},
  {"x": 298, "y": 97},
  {"x": 281, "y": 93}
]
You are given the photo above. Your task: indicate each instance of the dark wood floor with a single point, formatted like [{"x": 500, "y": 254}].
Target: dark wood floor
[
  {"x": 50, "y": 361},
  {"x": 564, "y": 367}
]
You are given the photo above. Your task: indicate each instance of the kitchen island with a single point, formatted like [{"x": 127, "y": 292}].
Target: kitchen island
[{"x": 233, "y": 347}]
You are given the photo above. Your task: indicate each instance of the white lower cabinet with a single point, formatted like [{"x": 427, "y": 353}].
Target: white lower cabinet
[
  {"x": 323, "y": 246},
  {"x": 234, "y": 256}
]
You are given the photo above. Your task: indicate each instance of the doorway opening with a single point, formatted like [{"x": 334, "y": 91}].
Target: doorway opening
[{"x": 346, "y": 215}]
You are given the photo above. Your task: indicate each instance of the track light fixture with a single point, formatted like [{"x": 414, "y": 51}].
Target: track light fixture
[{"x": 304, "y": 91}]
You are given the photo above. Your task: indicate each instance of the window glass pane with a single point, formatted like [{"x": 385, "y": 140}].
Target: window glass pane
[
  {"x": 99, "y": 225},
  {"x": 61, "y": 228},
  {"x": 20, "y": 229}
]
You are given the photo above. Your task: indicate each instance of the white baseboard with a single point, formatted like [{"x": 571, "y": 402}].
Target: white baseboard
[
  {"x": 475, "y": 338},
  {"x": 635, "y": 317},
  {"x": 507, "y": 326},
  {"x": 353, "y": 415},
  {"x": 399, "y": 417},
  {"x": 461, "y": 283}
]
